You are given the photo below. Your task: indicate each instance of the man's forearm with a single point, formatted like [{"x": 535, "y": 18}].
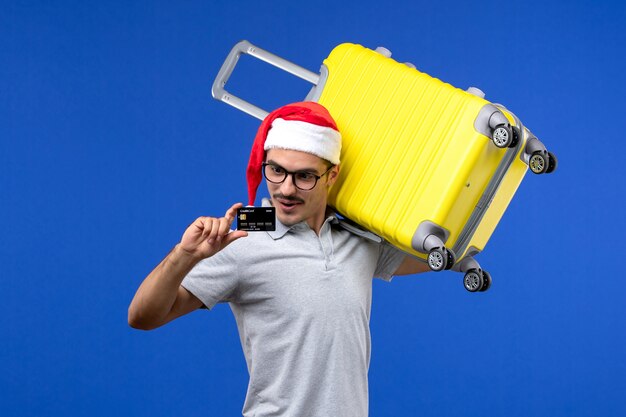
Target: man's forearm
[{"x": 157, "y": 293}]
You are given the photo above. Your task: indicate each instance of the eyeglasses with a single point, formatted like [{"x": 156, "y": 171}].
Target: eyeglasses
[{"x": 303, "y": 180}]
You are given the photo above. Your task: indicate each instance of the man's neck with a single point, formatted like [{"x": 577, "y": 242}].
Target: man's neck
[{"x": 316, "y": 223}]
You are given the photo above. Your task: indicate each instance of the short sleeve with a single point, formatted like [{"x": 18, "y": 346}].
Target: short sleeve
[
  {"x": 389, "y": 261},
  {"x": 214, "y": 279}
]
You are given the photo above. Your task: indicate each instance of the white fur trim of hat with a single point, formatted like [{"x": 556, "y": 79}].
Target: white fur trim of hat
[{"x": 296, "y": 135}]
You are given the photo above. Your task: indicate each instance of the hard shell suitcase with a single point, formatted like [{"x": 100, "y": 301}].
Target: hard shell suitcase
[{"x": 426, "y": 166}]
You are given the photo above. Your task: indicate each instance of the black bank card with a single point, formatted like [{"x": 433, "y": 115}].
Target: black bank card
[{"x": 256, "y": 219}]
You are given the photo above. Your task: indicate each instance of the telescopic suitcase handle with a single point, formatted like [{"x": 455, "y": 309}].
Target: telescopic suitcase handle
[{"x": 245, "y": 47}]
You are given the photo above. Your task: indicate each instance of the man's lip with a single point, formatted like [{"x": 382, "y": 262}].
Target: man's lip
[{"x": 288, "y": 202}]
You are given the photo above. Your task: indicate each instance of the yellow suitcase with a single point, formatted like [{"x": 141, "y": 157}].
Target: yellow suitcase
[{"x": 426, "y": 166}]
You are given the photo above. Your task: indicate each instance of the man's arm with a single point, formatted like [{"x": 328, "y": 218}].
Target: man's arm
[
  {"x": 160, "y": 298},
  {"x": 411, "y": 265}
]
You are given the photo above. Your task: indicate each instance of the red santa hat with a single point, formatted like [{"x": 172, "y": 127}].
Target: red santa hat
[{"x": 306, "y": 127}]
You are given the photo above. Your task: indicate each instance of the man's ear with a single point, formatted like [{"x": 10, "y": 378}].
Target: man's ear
[{"x": 333, "y": 174}]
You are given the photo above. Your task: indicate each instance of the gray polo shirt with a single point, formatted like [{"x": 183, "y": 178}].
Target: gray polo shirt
[{"x": 302, "y": 305}]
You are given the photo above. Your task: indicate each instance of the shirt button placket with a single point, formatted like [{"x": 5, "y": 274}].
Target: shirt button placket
[{"x": 327, "y": 245}]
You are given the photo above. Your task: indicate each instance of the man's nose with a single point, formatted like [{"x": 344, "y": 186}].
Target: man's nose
[{"x": 288, "y": 187}]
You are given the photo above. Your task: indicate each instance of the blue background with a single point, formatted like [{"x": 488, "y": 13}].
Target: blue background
[{"x": 110, "y": 145}]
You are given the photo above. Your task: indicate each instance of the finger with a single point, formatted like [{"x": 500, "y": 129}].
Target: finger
[
  {"x": 231, "y": 213},
  {"x": 214, "y": 224},
  {"x": 206, "y": 227},
  {"x": 196, "y": 231},
  {"x": 198, "y": 223},
  {"x": 234, "y": 235},
  {"x": 224, "y": 227}
]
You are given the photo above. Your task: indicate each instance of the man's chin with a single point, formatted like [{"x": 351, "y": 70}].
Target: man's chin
[{"x": 288, "y": 219}]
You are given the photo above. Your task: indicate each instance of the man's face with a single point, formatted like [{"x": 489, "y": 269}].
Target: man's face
[{"x": 292, "y": 204}]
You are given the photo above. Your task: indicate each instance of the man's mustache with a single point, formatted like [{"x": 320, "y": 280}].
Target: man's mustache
[{"x": 288, "y": 198}]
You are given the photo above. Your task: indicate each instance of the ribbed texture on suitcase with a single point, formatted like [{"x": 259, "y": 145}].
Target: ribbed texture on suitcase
[{"x": 410, "y": 151}]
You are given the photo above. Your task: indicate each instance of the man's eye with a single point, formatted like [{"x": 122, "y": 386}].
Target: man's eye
[
  {"x": 277, "y": 170},
  {"x": 305, "y": 176}
]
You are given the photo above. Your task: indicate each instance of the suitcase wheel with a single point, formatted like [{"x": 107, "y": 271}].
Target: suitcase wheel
[
  {"x": 539, "y": 162},
  {"x": 502, "y": 136},
  {"x": 440, "y": 259},
  {"x": 477, "y": 280},
  {"x": 473, "y": 280},
  {"x": 552, "y": 163},
  {"x": 487, "y": 281}
]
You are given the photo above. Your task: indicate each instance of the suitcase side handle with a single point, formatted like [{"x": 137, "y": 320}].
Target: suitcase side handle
[{"x": 244, "y": 47}]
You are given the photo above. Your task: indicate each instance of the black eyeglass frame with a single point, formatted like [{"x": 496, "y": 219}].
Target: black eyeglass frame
[{"x": 293, "y": 175}]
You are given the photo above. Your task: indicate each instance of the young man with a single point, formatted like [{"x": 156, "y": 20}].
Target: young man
[{"x": 301, "y": 295}]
